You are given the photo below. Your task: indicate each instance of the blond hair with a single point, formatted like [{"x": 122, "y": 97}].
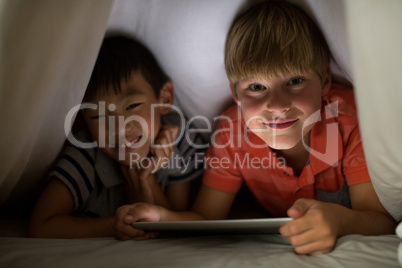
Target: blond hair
[{"x": 273, "y": 38}]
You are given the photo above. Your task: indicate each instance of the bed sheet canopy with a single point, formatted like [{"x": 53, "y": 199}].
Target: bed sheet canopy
[{"x": 48, "y": 49}]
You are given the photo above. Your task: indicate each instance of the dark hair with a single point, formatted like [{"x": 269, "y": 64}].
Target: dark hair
[{"x": 119, "y": 57}]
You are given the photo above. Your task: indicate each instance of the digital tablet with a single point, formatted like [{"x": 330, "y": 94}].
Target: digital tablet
[{"x": 243, "y": 226}]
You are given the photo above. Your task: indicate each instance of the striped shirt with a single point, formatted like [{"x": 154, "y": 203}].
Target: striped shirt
[{"x": 97, "y": 183}]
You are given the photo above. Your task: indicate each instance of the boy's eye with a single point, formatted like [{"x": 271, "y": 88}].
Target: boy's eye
[
  {"x": 132, "y": 106},
  {"x": 257, "y": 87},
  {"x": 97, "y": 116},
  {"x": 295, "y": 81}
]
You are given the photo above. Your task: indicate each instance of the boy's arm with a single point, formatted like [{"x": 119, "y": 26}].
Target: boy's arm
[
  {"x": 141, "y": 186},
  {"x": 179, "y": 195},
  {"x": 369, "y": 216},
  {"x": 210, "y": 204},
  {"x": 51, "y": 217},
  {"x": 317, "y": 225}
]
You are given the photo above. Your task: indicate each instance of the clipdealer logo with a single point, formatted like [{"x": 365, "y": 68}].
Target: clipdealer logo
[{"x": 116, "y": 122}]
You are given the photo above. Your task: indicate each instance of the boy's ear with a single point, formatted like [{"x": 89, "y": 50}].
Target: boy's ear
[
  {"x": 234, "y": 95},
  {"x": 327, "y": 83},
  {"x": 166, "y": 96}
]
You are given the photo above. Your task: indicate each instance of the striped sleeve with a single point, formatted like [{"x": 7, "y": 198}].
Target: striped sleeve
[{"x": 75, "y": 169}]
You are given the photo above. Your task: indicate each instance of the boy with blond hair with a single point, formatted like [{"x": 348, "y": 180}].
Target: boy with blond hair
[{"x": 288, "y": 112}]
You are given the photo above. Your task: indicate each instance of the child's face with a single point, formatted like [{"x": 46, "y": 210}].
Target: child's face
[
  {"x": 125, "y": 123},
  {"x": 275, "y": 109}
]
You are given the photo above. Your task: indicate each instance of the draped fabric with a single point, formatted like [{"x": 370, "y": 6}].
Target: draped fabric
[{"x": 48, "y": 49}]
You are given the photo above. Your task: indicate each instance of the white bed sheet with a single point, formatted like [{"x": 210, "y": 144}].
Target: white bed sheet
[{"x": 197, "y": 251}]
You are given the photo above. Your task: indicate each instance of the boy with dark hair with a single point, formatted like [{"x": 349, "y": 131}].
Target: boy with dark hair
[{"x": 125, "y": 153}]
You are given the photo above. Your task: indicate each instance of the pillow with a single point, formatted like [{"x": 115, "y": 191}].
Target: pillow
[
  {"x": 399, "y": 234},
  {"x": 375, "y": 49}
]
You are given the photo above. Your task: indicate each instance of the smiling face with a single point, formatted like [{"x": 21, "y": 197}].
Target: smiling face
[
  {"x": 126, "y": 123},
  {"x": 275, "y": 109}
]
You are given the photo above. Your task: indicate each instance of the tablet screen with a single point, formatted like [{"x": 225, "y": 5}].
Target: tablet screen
[{"x": 243, "y": 226}]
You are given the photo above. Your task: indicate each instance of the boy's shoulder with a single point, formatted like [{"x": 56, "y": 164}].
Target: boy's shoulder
[
  {"x": 86, "y": 170},
  {"x": 77, "y": 145},
  {"x": 232, "y": 111},
  {"x": 230, "y": 115},
  {"x": 344, "y": 97},
  {"x": 87, "y": 161}
]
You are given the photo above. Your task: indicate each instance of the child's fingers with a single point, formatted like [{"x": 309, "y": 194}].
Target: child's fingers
[
  {"x": 311, "y": 242},
  {"x": 147, "y": 235},
  {"x": 166, "y": 138},
  {"x": 143, "y": 212},
  {"x": 301, "y": 238},
  {"x": 160, "y": 159},
  {"x": 128, "y": 214},
  {"x": 295, "y": 227},
  {"x": 168, "y": 134},
  {"x": 170, "y": 131},
  {"x": 124, "y": 230},
  {"x": 313, "y": 248},
  {"x": 300, "y": 207},
  {"x": 312, "y": 233},
  {"x": 174, "y": 131},
  {"x": 307, "y": 214},
  {"x": 130, "y": 233},
  {"x": 161, "y": 155},
  {"x": 163, "y": 147}
]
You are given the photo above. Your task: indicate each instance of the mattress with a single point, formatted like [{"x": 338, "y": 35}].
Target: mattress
[{"x": 189, "y": 251}]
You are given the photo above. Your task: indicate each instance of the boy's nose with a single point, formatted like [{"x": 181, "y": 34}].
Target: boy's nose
[
  {"x": 123, "y": 127},
  {"x": 278, "y": 103}
]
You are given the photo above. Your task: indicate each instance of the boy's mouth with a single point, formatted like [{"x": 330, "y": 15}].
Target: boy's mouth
[
  {"x": 280, "y": 123},
  {"x": 130, "y": 143}
]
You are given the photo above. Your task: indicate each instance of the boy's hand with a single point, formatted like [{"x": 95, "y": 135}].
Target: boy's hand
[
  {"x": 163, "y": 147},
  {"x": 314, "y": 228},
  {"x": 128, "y": 214},
  {"x": 138, "y": 184}
]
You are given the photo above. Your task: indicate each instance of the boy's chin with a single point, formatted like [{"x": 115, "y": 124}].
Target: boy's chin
[
  {"x": 126, "y": 162},
  {"x": 283, "y": 145},
  {"x": 134, "y": 159},
  {"x": 130, "y": 159}
]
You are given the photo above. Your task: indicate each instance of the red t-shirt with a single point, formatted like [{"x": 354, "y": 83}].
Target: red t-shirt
[{"x": 336, "y": 155}]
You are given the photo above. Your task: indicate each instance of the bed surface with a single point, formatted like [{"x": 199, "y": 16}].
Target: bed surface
[{"x": 193, "y": 251}]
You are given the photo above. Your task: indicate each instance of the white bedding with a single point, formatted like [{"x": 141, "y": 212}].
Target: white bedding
[
  {"x": 198, "y": 251},
  {"x": 209, "y": 251}
]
